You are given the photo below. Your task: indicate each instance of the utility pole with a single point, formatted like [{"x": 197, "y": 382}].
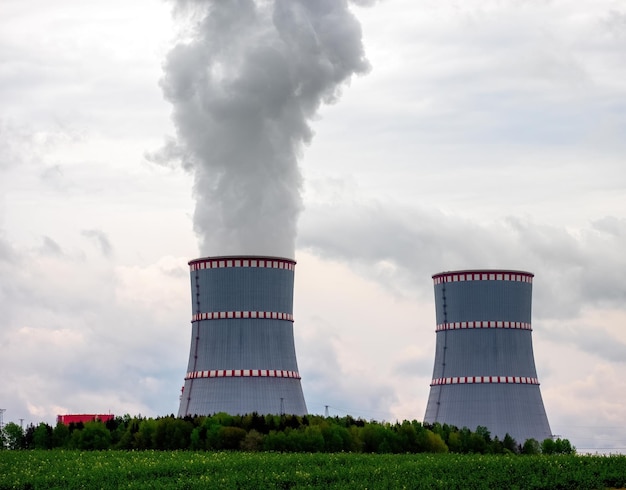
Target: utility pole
[{"x": 326, "y": 411}]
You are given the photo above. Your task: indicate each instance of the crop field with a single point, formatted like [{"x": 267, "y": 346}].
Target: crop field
[{"x": 66, "y": 469}]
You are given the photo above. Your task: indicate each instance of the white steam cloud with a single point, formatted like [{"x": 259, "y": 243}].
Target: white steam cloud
[{"x": 244, "y": 85}]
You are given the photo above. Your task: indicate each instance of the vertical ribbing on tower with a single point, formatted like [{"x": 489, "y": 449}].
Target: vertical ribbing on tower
[
  {"x": 484, "y": 372},
  {"x": 242, "y": 356}
]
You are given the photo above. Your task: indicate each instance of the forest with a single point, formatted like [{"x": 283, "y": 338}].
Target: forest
[{"x": 279, "y": 433}]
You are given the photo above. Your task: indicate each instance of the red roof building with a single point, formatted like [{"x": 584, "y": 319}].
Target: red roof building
[{"x": 85, "y": 417}]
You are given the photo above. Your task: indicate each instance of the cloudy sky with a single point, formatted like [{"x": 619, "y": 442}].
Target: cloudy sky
[{"x": 479, "y": 134}]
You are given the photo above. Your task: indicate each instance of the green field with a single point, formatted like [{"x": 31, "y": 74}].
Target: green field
[{"x": 63, "y": 469}]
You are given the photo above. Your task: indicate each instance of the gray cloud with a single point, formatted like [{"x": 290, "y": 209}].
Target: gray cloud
[
  {"x": 415, "y": 366},
  {"x": 93, "y": 341},
  {"x": 15, "y": 145},
  {"x": 12, "y": 290},
  {"x": 6, "y": 251},
  {"x": 50, "y": 247},
  {"x": 327, "y": 382},
  {"x": 611, "y": 225},
  {"x": 244, "y": 88},
  {"x": 101, "y": 240},
  {"x": 615, "y": 22},
  {"x": 54, "y": 177},
  {"x": 595, "y": 341},
  {"x": 571, "y": 271}
]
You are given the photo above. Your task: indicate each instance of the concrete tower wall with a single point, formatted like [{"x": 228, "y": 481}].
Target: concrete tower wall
[
  {"x": 242, "y": 357},
  {"x": 484, "y": 372}
]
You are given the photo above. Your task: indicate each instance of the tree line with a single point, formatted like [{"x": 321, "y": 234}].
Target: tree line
[{"x": 286, "y": 433}]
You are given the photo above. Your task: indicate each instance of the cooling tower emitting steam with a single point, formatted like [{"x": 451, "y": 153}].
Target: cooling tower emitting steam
[{"x": 244, "y": 85}]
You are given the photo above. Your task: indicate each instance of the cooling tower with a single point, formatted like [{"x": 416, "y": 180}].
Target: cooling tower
[
  {"x": 242, "y": 357},
  {"x": 484, "y": 371}
]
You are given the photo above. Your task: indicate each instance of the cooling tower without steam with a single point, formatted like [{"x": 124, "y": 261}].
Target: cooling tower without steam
[
  {"x": 484, "y": 373},
  {"x": 242, "y": 357}
]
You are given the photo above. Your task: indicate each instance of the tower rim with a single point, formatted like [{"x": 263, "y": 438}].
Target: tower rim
[
  {"x": 241, "y": 257},
  {"x": 482, "y": 271}
]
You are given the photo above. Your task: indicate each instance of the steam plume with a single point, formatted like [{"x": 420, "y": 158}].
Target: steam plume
[{"x": 244, "y": 86}]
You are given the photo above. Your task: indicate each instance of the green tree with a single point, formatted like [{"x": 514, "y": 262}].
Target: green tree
[
  {"x": 477, "y": 444},
  {"x": 454, "y": 442},
  {"x": 172, "y": 433},
  {"x": 127, "y": 438},
  {"x": 275, "y": 441},
  {"x": 496, "y": 446},
  {"x": 230, "y": 437},
  {"x": 295, "y": 440},
  {"x": 356, "y": 442},
  {"x": 563, "y": 446},
  {"x": 42, "y": 436},
  {"x": 336, "y": 437},
  {"x": 434, "y": 443},
  {"x": 557, "y": 446},
  {"x": 548, "y": 446},
  {"x": 14, "y": 436},
  {"x": 258, "y": 423},
  {"x": 484, "y": 433},
  {"x": 224, "y": 419},
  {"x": 465, "y": 435},
  {"x": 197, "y": 439},
  {"x": 117, "y": 427},
  {"x": 407, "y": 437},
  {"x": 94, "y": 435},
  {"x": 510, "y": 444},
  {"x": 253, "y": 441},
  {"x": 313, "y": 440},
  {"x": 60, "y": 435},
  {"x": 144, "y": 437},
  {"x": 531, "y": 446},
  {"x": 211, "y": 429}
]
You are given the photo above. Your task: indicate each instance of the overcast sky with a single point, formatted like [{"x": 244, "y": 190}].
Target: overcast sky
[{"x": 485, "y": 134}]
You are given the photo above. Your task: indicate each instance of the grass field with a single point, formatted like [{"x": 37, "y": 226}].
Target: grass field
[{"x": 62, "y": 469}]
